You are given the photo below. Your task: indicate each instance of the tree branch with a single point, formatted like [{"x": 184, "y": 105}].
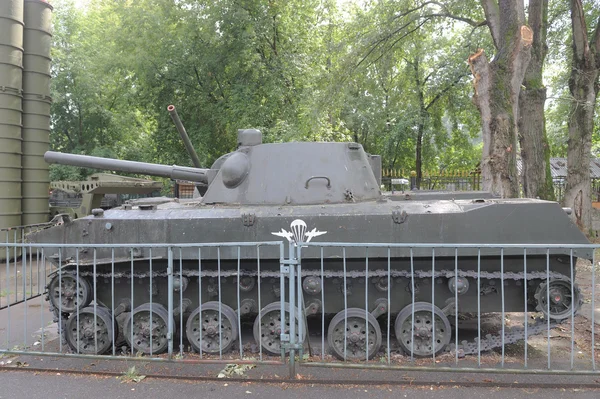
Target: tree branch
[
  {"x": 580, "y": 44},
  {"x": 426, "y": 17},
  {"x": 382, "y": 40},
  {"x": 426, "y": 79},
  {"x": 220, "y": 87},
  {"x": 596, "y": 43},
  {"x": 445, "y": 13},
  {"x": 66, "y": 133},
  {"x": 394, "y": 44},
  {"x": 536, "y": 23},
  {"x": 210, "y": 94},
  {"x": 492, "y": 15},
  {"x": 441, "y": 93},
  {"x": 411, "y": 10},
  {"x": 179, "y": 82},
  {"x": 473, "y": 23},
  {"x": 198, "y": 77}
]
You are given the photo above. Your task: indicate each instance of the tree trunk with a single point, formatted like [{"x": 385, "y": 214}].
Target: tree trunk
[
  {"x": 419, "y": 158},
  {"x": 583, "y": 84},
  {"x": 497, "y": 88},
  {"x": 416, "y": 64},
  {"x": 535, "y": 151}
]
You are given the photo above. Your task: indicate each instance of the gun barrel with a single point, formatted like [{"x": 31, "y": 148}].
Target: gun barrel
[
  {"x": 184, "y": 136},
  {"x": 86, "y": 161}
]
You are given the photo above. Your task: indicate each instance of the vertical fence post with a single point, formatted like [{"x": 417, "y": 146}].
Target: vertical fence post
[
  {"x": 7, "y": 256},
  {"x": 573, "y": 305},
  {"x": 169, "y": 302},
  {"x": 548, "y": 301},
  {"x": 151, "y": 306},
  {"x": 200, "y": 296},
  {"x": 455, "y": 306},
  {"x": 412, "y": 304},
  {"x": 502, "y": 299},
  {"x": 433, "y": 300},
  {"x": 16, "y": 255},
  {"x": 526, "y": 299},
  {"x": 292, "y": 312},
  {"x": 181, "y": 303},
  {"x": 239, "y": 306},
  {"x": 95, "y": 288},
  {"x": 478, "y": 307},
  {"x": 7, "y": 276},
  {"x": 322, "y": 309},
  {"x": 77, "y": 285},
  {"x": 593, "y": 326},
  {"x": 389, "y": 306},
  {"x": 42, "y": 303},
  {"x": 282, "y": 265},
  {"x": 345, "y": 292},
  {"x": 61, "y": 330},
  {"x": 112, "y": 296},
  {"x": 24, "y": 275},
  {"x": 132, "y": 318},
  {"x": 301, "y": 315},
  {"x": 367, "y": 302}
]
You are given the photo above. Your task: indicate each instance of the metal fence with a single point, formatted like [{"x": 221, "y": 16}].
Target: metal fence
[
  {"x": 517, "y": 269},
  {"x": 374, "y": 306},
  {"x": 466, "y": 181},
  {"x": 134, "y": 305},
  {"x": 560, "y": 184},
  {"x": 450, "y": 181}
]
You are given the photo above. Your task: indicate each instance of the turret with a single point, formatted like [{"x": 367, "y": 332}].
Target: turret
[{"x": 270, "y": 174}]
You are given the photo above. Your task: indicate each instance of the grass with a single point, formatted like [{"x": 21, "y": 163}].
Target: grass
[
  {"x": 131, "y": 375},
  {"x": 232, "y": 370}
]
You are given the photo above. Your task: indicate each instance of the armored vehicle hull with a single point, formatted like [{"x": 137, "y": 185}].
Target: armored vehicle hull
[
  {"x": 326, "y": 187},
  {"x": 458, "y": 221}
]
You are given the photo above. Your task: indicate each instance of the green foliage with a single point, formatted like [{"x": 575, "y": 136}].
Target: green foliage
[
  {"x": 95, "y": 107},
  {"x": 557, "y": 72},
  {"x": 131, "y": 376},
  {"x": 317, "y": 70}
]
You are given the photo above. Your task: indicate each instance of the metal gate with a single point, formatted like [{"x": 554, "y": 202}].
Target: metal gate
[{"x": 23, "y": 273}]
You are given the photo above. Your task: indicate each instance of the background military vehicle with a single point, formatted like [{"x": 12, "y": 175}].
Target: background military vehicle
[{"x": 100, "y": 190}]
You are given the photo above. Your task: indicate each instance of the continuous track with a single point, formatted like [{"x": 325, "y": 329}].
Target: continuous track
[{"x": 475, "y": 346}]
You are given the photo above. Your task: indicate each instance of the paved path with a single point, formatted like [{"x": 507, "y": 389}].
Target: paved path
[
  {"x": 27, "y": 385},
  {"x": 21, "y": 325}
]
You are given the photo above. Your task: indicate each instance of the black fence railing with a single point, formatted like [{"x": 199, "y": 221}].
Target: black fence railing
[
  {"x": 560, "y": 184},
  {"x": 464, "y": 181},
  {"x": 394, "y": 180}
]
